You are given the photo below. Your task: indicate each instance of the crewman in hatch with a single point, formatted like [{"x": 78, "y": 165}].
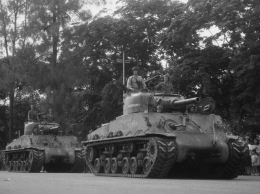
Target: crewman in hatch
[{"x": 135, "y": 83}]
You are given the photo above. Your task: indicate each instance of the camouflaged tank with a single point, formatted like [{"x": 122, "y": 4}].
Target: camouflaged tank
[
  {"x": 156, "y": 137},
  {"x": 44, "y": 145}
]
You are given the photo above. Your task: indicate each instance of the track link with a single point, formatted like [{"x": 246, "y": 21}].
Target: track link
[
  {"x": 80, "y": 162},
  {"x": 158, "y": 153},
  {"x": 238, "y": 155},
  {"x": 37, "y": 161}
]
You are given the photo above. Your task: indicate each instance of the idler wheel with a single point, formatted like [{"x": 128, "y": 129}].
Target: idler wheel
[
  {"x": 147, "y": 164},
  {"x": 125, "y": 165},
  {"x": 97, "y": 166},
  {"x": 91, "y": 154},
  {"x": 134, "y": 168},
  {"x": 114, "y": 166},
  {"x": 107, "y": 166}
]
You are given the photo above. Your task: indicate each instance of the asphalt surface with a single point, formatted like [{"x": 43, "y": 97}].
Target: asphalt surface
[{"x": 65, "y": 183}]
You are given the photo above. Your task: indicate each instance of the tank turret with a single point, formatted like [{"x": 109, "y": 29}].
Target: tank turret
[
  {"x": 150, "y": 102},
  {"x": 158, "y": 137}
]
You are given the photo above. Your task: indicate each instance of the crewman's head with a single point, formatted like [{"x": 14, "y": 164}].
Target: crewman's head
[
  {"x": 191, "y": 109},
  {"x": 166, "y": 78},
  {"x": 135, "y": 70}
]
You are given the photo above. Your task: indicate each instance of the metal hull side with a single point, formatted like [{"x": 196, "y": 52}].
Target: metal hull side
[{"x": 201, "y": 148}]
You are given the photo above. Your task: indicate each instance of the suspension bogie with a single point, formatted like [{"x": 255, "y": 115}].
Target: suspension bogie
[
  {"x": 24, "y": 161},
  {"x": 129, "y": 158},
  {"x": 113, "y": 158}
]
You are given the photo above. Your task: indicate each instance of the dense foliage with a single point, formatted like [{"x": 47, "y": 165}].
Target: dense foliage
[{"x": 58, "y": 55}]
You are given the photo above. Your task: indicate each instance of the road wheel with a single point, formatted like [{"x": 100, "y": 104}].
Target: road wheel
[
  {"x": 107, "y": 166},
  {"x": 22, "y": 166},
  {"x": 19, "y": 165},
  {"x": 147, "y": 164},
  {"x": 7, "y": 162},
  {"x": 15, "y": 165},
  {"x": 134, "y": 168},
  {"x": 125, "y": 165},
  {"x": 114, "y": 166},
  {"x": 97, "y": 166},
  {"x": 11, "y": 165}
]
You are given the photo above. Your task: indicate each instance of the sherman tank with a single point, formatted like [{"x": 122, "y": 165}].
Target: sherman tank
[
  {"x": 44, "y": 145},
  {"x": 157, "y": 137}
]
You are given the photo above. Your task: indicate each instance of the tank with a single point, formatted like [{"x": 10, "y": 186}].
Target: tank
[
  {"x": 44, "y": 146},
  {"x": 156, "y": 137}
]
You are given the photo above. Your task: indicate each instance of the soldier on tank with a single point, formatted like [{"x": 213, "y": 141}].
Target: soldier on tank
[
  {"x": 135, "y": 83},
  {"x": 165, "y": 86},
  {"x": 50, "y": 117},
  {"x": 32, "y": 114}
]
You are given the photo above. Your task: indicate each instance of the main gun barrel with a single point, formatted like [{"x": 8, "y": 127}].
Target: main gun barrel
[{"x": 185, "y": 101}]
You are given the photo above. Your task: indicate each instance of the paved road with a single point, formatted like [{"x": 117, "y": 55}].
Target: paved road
[{"x": 64, "y": 183}]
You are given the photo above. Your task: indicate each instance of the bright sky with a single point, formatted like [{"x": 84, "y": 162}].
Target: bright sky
[{"x": 111, "y": 4}]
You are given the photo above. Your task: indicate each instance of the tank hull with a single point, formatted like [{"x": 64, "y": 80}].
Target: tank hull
[
  {"x": 56, "y": 153},
  {"x": 161, "y": 145}
]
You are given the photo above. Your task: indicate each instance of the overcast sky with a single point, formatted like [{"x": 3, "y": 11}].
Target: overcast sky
[{"x": 111, "y": 4}]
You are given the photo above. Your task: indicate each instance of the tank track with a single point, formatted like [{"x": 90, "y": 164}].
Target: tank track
[
  {"x": 137, "y": 157},
  {"x": 80, "y": 162},
  {"x": 238, "y": 154},
  {"x": 24, "y": 161}
]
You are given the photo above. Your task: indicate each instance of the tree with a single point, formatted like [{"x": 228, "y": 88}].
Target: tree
[
  {"x": 134, "y": 30},
  {"x": 13, "y": 36},
  {"x": 236, "y": 66},
  {"x": 52, "y": 21}
]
